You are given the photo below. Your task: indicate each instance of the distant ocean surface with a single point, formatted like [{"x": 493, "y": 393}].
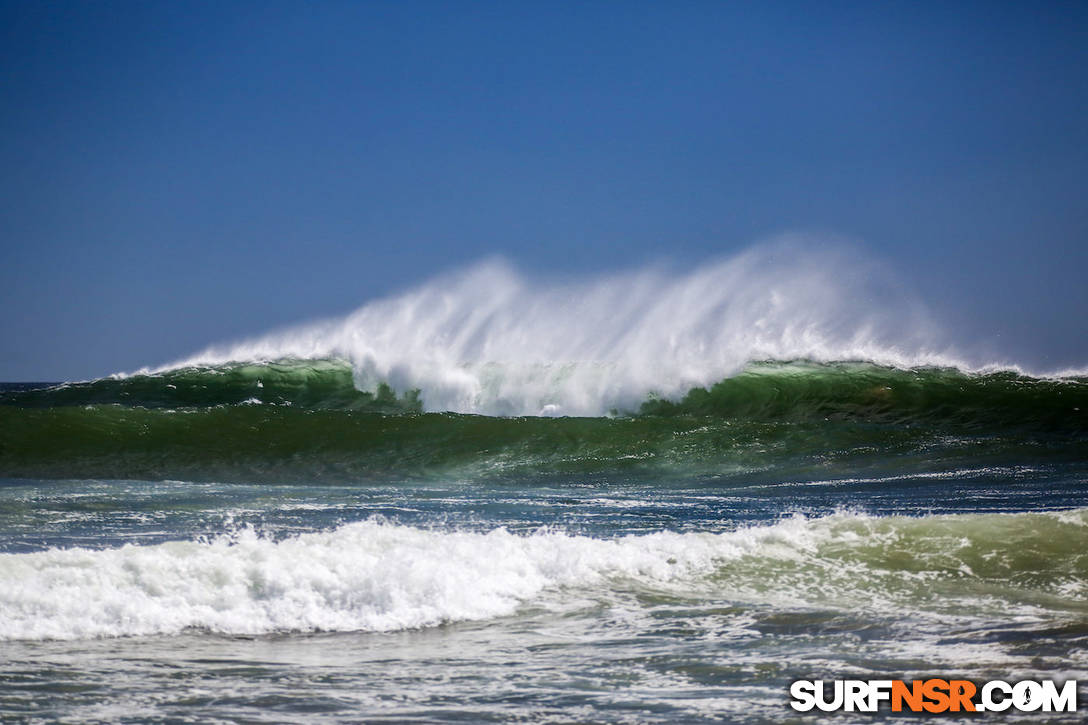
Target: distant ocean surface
[{"x": 418, "y": 515}]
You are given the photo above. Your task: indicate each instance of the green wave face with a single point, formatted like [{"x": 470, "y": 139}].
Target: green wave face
[
  {"x": 312, "y": 384},
  {"x": 949, "y": 564},
  {"x": 802, "y": 391},
  {"x": 307, "y": 421}
]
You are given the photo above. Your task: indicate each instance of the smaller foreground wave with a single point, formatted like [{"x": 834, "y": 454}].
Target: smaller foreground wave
[{"x": 375, "y": 576}]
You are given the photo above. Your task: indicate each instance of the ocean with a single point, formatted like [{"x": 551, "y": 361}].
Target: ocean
[{"x": 487, "y": 502}]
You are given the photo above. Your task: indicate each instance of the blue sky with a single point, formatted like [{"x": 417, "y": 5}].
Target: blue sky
[{"x": 176, "y": 174}]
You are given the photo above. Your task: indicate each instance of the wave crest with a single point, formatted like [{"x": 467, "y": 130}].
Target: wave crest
[{"x": 488, "y": 340}]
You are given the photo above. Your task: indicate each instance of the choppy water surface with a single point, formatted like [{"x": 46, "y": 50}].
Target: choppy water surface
[
  {"x": 564, "y": 599},
  {"x": 637, "y": 497}
]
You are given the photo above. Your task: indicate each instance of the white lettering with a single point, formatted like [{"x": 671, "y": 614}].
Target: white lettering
[{"x": 804, "y": 695}]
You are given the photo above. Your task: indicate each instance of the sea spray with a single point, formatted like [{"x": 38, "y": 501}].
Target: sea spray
[{"x": 491, "y": 341}]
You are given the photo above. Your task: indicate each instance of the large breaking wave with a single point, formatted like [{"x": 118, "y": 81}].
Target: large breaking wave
[
  {"x": 490, "y": 341},
  {"x": 809, "y": 355},
  {"x": 305, "y": 420}
]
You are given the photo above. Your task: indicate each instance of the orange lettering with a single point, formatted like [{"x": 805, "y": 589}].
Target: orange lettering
[
  {"x": 937, "y": 692},
  {"x": 960, "y": 694},
  {"x": 912, "y": 695}
]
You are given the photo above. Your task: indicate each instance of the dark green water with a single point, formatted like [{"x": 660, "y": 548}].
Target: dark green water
[
  {"x": 306, "y": 422},
  {"x": 194, "y": 546}
]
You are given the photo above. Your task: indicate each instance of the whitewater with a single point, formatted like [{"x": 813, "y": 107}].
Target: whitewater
[
  {"x": 652, "y": 495},
  {"x": 488, "y": 340},
  {"x": 376, "y": 576}
]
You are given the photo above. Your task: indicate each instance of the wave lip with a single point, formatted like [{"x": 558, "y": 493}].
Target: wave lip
[
  {"x": 489, "y": 341},
  {"x": 374, "y": 576}
]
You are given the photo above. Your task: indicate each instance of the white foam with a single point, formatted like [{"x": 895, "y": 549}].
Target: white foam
[
  {"x": 368, "y": 576},
  {"x": 376, "y": 576},
  {"x": 488, "y": 340}
]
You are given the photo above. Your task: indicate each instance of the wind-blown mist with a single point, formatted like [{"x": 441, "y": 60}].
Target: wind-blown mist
[{"x": 488, "y": 339}]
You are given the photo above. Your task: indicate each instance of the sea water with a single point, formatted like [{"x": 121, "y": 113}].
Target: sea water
[{"x": 641, "y": 498}]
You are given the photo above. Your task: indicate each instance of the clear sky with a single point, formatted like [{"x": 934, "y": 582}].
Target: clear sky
[{"x": 174, "y": 174}]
